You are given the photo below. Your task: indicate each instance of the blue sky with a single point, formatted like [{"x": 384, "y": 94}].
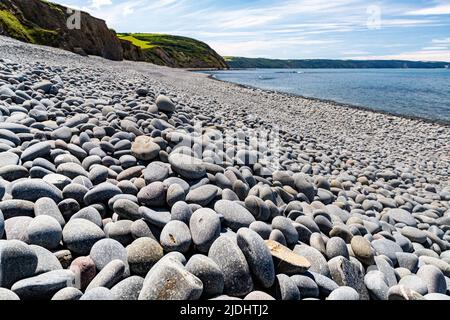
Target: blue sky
[{"x": 349, "y": 29}]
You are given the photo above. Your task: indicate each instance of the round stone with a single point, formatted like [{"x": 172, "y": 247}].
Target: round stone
[
  {"x": 235, "y": 216},
  {"x": 44, "y": 231},
  {"x": 287, "y": 228},
  {"x": 258, "y": 256},
  {"x": 344, "y": 293},
  {"x": 98, "y": 294},
  {"x": 164, "y": 104},
  {"x": 230, "y": 259},
  {"x": 47, "y": 261},
  {"x": 128, "y": 289},
  {"x": 202, "y": 195},
  {"x": 414, "y": 283},
  {"x": 67, "y": 294},
  {"x": 79, "y": 235},
  {"x": 2, "y": 224},
  {"x": 258, "y": 295},
  {"x": 388, "y": 248},
  {"x": 101, "y": 193},
  {"x": 48, "y": 207},
  {"x": 8, "y": 295},
  {"x": 433, "y": 278},
  {"x": 336, "y": 247},
  {"x": 169, "y": 280},
  {"x": 84, "y": 270},
  {"x": 209, "y": 273},
  {"x": 106, "y": 250},
  {"x": 318, "y": 262},
  {"x": 414, "y": 234},
  {"x": 143, "y": 254},
  {"x": 205, "y": 228},
  {"x": 176, "y": 236},
  {"x": 362, "y": 250},
  {"x": 181, "y": 211},
  {"x": 153, "y": 195},
  {"x": 306, "y": 286},
  {"x": 402, "y": 216},
  {"x": 143, "y": 148},
  {"x": 187, "y": 166},
  {"x": 120, "y": 231},
  {"x": 285, "y": 288},
  {"x": 17, "y": 261}
]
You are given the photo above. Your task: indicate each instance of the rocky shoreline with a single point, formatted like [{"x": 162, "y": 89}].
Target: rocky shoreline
[{"x": 123, "y": 180}]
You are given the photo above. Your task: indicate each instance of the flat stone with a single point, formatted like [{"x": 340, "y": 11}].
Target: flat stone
[
  {"x": 287, "y": 261},
  {"x": 187, "y": 166},
  {"x": 34, "y": 189},
  {"x": 387, "y": 270},
  {"x": 402, "y": 216},
  {"x": 235, "y": 216},
  {"x": 16, "y": 208},
  {"x": 8, "y": 159},
  {"x": 44, "y": 286},
  {"x": 40, "y": 149},
  {"x": 317, "y": 261},
  {"x": 230, "y": 259},
  {"x": 109, "y": 276},
  {"x": 345, "y": 273},
  {"x": 258, "y": 256},
  {"x": 399, "y": 292},
  {"x": 101, "y": 193},
  {"x": 414, "y": 234}
]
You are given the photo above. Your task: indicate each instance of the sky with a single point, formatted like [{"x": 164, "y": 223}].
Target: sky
[{"x": 291, "y": 29}]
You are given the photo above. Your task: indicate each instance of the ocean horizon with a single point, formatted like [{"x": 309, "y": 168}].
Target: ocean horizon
[{"x": 418, "y": 93}]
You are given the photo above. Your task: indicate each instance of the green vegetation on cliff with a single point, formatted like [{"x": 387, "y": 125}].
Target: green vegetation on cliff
[
  {"x": 176, "y": 51},
  {"x": 242, "y": 63}
]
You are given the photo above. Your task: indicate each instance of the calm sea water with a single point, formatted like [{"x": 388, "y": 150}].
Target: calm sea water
[{"x": 422, "y": 93}]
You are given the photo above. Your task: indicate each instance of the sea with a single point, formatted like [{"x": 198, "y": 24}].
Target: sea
[{"x": 422, "y": 93}]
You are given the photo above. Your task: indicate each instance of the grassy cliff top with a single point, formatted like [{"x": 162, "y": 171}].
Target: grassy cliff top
[{"x": 184, "y": 51}]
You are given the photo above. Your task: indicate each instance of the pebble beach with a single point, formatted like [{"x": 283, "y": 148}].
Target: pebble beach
[{"x": 129, "y": 181}]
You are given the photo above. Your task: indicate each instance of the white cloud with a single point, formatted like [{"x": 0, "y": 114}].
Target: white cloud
[
  {"x": 96, "y": 4},
  {"x": 421, "y": 55},
  {"x": 441, "y": 41},
  {"x": 437, "y": 10},
  {"x": 435, "y": 48}
]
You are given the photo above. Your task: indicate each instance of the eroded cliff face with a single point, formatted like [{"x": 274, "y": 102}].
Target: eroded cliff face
[{"x": 45, "y": 23}]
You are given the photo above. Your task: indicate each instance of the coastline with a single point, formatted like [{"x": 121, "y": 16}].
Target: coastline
[
  {"x": 445, "y": 123},
  {"x": 383, "y": 140}
]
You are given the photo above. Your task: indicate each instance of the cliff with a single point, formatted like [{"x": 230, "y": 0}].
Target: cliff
[
  {"x": 175, "y": 51},
  {"x": 42, "y": 22},
  {"x": 45, "y": 23}
]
